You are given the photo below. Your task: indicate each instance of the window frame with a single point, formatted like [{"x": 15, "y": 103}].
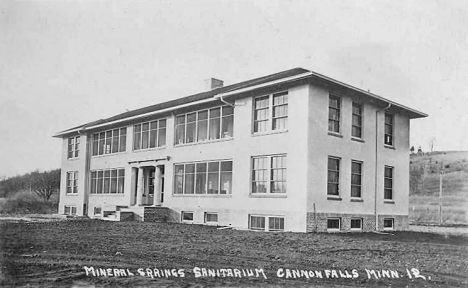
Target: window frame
[
  {"x": 392, "y": 179},
  {"x": 328, "y": 176},
  {"x": 333, "y": 219},
  {"x": 107, "y": 177},
  {"x": 222, "y": 175},
  {"x": 72, "y": 210},
  {"x": 360, "y": 224},
  {"x": 183, "y": 213},
  {"x": 392, "y": 130},
  {"x": 211, "y": 222},
  {"x": 97, "y": 210},
  {"x": 73, "y": 147},
  {"x": 102, "y": 137},
  {"x": 269, "y": 172},
  {"x": 72, "y": 182},
  {"x": 339, "y": 108},
  {"x": 361, "y": 116},
  {"x": 267, "y": 223},
  {"x": 270, "y": 118},
  {"x": 360, "y": 177},
  {"x": 157, "y": 130},
  {"x": 392, "y": 220},
  {"x": 209, "y": 120}
]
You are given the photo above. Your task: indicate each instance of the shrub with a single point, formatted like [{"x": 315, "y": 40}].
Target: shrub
[{"x": 27, "y": 203}]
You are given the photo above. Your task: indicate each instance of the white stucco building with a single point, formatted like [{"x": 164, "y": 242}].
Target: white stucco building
[{"x": 292, "y": 151}]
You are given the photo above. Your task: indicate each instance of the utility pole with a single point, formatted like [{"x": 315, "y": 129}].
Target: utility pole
[{"x": 440, "y": 193}]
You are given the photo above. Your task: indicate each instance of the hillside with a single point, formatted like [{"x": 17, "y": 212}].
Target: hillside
[{"x": 425, "y": 174}]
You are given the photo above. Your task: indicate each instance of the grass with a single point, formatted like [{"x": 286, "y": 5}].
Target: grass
[
  {"x": 54, "y": 254},
  {"x": 425, "y": 181}
]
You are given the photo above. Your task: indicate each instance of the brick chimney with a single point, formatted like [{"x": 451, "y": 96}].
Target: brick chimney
[{"x": 213, "y": 83}]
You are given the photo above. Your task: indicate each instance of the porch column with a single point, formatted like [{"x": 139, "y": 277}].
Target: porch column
[
  {"x": 140, "y": 186},
  {"x": 157, "y": 186}
]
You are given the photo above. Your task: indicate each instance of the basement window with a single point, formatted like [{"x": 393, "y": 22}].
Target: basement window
[
  {"x": 211, "y": 218},
  {"x": 356, "y": 224},
  {"x": 388, "y": 223},
  {"x": 258, "y": 223},
  {"x": 97, "y": 210},
  {"x": 187, "y": 216},
  {"x": 333, "y": 224},
  {"x": 70, "y": 210}
]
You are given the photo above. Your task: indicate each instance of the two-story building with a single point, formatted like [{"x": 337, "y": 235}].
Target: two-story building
[{"x": 291, "y": 151}]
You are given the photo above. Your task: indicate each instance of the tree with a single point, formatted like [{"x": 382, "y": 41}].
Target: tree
[{"x": 45, "y": 184}]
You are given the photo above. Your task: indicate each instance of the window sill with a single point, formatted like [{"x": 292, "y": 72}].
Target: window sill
[
  {"x": 358, "y": 139},
  {"x": 73, "y": 159},
  {"x": 389, "y": 202},
  {"x": 389, "y": 147},
  {"x": 256, "y": 134},
  {"x": 149, "y": 149},
  {"x": 335, "y": 134},
  {"x": 107, "y": 155},
  {"x": 204, "y": 142},
  {"x": 268, "y": 195},
  {"x": 203, "y": 195},
  {"x": 107, "y": 194},
  {"x": 335, "y": 198},
  {"x": 356, "y": 200},
  {"x": 71, "y": 194}
]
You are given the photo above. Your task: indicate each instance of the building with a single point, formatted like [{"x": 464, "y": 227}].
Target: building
[{"x": 291, "y": 151}]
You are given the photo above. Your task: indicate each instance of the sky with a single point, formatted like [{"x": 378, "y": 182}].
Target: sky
[{"x": 65, "y": 63}]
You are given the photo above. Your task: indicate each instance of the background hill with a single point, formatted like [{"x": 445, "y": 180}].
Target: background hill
[{"x": 425, "y": 171}]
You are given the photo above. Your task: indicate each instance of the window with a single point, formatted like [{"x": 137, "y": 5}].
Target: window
[
  {"x": 73, "y": 147},
  {"x": 149, "y": 135},
  {"x": 72, "y": 182},
  {"x": 333, "y": 224},
  {"x": 110, "y": 181},
  {"x": 388, "y": 183},
  {"x": 334, "y": 107},
  {"x": 277, "y": 119},
  {"x": 388, "y": 223},
  {"x": 258, "y": 223},
  {"x": 214, "y": 177},
  {"x": 187, "y": 216},
  {"x": 333, "y": 176},
  {"x": 356, "y": 179},
  {"x": 70, "y": 210},
  {"x": 205, "y": 125},
  {"x": 211, "y": 218},
  {"x": 356, "y": 224},
  {"x": 111, "y": 141},
  {"x": 269, "y": 174},
  {"x": 97, "y": 210},
  {"x": 388, "y": 140},
  {"x": 356, "y": 128}
]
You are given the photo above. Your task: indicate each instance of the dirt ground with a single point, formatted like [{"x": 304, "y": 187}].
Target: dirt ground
[{"x": 76, "y": 253}]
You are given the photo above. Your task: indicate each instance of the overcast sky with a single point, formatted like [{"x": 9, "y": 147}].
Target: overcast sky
[{"x": 65, "y": 63}]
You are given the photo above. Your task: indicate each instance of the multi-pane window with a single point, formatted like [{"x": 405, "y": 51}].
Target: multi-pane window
[
  {"x": 388, "y": 183},
  {"x": 259, "y": 223},
  {"x": 97, "y": 210},
  {"x": 111, "y": 141},
  {"x": 149, "y": 135},
  {"x": 333, "y": 176},
  {"x": 73, "y": 147},
  {"x": 334, "y": 110},
  {"x": 277, "y": 119},
  {"x": 72, "y": 182},
  {"x": 356, "y": 224},
  {"x": 388, "y": 138},
  {"x": 109, "y": 181},
  {"x": 70, "y": 210},
  {"x": 333, "y": 224},
  {"x": 388, "y": 223},
  {"x": 211, "y": 217},
  {"x": 205, "y": 125},
  {"x": 269, "y": 174},
  {"x": 356, "y": 126},
  {"x": 214, "y": 177},
  {"x": 356, "y": 179}
]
